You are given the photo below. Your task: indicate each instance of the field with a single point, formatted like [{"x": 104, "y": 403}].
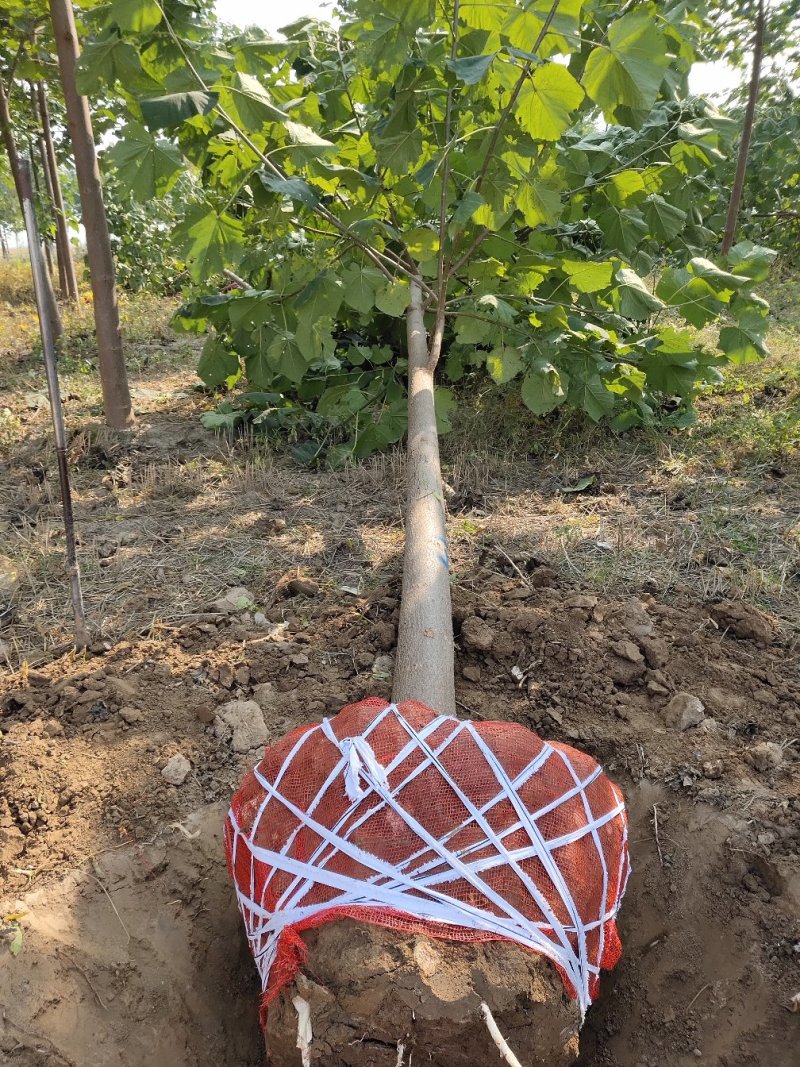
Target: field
[{"x": 615, "y": 576}]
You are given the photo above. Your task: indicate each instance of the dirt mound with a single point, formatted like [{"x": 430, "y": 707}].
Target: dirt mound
[
  {"x": 381, "y": 998},
  {"x": 695, "y": 719}
]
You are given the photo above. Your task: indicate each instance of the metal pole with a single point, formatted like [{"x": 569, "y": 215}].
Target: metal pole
[{"x": 48, "y": 345}]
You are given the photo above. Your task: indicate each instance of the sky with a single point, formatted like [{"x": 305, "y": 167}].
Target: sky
[{"x": 707, "y": 79}]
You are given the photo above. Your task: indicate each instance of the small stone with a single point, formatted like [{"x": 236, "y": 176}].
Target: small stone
[
  {"x": 713, "y": 769},
  {"x": 656, "y": 688},
  {"x": 235, "y": 601},
  {"x": 581, "y": 602},
  {"x": 264, "y": 695},
  {"x": 303, "y": 587},
  {"x": 299, "y": 659},
  {"x": 684, "y": 711},
  {"x": 260, "y": 619},
  {"x": 364, "y": 659},
  {"x": 176, "y": 769},
  {"x": 633, "y": 618},
  {"x": 724, "y": 701},
  {"x": 225, "y": 675},
  {"x": 36, "y": 678},
  {"x": 766, "y": 756},
  {"x": 472, "y": 672},
  {"x": 476, "y": 635},
  {"x": 244, "y": 720},
  {"x": 130, "y": 715},
  {"x": 122, "y": 689},
  {"x": 744, "y": 621},
  {"x": 765, "y": 696},
  {"x": 205, "y": 711},
  {"x": 655, "y": 652},
  {"x": 627, "y": 650},
  {"x": 242, "y": 675},
  {"x": 52, "y": 728},
  {"x": 383, "y": 667}
]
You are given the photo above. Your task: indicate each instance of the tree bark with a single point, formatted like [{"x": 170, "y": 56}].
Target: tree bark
[
  {"x": 747, "y": 132},
  {"x": 7, "y": 133},
  {"x": 46, "y": 242},
  {"x": 424, "y": 663},
  {"x": 113, "y": 375},
  {"x": 63, "y": 243}
]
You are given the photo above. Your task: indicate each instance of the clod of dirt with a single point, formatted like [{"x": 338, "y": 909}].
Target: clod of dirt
[
  {"x": 744, "y": 621},
  {"x": 765, "y": 756},
  {"x": 632, "y": 618},
  {"x": 375, "y": 990},
  {"x": 176, "y": 770},
  {"x": 655, "y": 652},
  {"x": 243, "y": 720},
  {"x": 476, "y": 635},
  {"x": 303, "y": 587},
  {"x": 264, "y": 695},
  {"x": 684, "y": 711},
  {"x": 234, "y": 601},
  {"x": 130, "y": 715},
  {"x": 628, "y": 650}
]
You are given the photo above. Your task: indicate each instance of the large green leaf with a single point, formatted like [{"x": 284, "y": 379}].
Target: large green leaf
[
  {"x": 248, "y": 102},
  {"x": 541, "y": 390},
  {"x": 212, "y": 241},
  {"x": 504, "y": 364},
  {"x": 393, "y": 298},
  {"x": 591, "y": 395},
  {"x": 471, "y": 69},
  {"x": 109, "y": 61},
  {"x": 740, "y": 345},
  {"x": 546, "y": 102},
  {"x": 217, "y": 363},
  {"x": 587, "y": 276},
  {"x": 147, "y": 166},
  {"x": 692, "y": 296},
  {"x": 135, "y": 16},
  {"x": 524, "y": 25},
  {"x": 172, "y": 110},
  {"x": 629, "y": 69},
  {"x": 294, "y": 188},
  {"x": 321, "y": 298},
  {"x": 664, "y": 219},
  {"x": 634, "y": 299},
  {"x": 360, "y": 287}
]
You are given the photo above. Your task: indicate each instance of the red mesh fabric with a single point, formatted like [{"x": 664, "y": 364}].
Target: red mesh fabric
[{"x": 485, "y": 847}]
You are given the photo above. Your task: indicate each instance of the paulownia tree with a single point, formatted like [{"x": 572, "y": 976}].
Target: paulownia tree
[{"x": 512, "y": 185}]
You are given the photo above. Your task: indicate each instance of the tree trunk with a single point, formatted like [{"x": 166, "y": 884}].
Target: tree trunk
[
  {"x": 7, "y": 133},
  {"x": 4, "y": 246},
  {"x": 747, "y": 132},
  {"x": 424, "y": 663},
  {"x": 47, "y": 244},
  {"x": 66, "y": 264},
  {"x": 113, "y": 375}
]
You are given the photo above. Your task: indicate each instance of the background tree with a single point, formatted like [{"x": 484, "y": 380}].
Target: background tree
[{"x": 113, "y": 375}]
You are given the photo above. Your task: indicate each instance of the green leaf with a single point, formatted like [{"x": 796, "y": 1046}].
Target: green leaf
[
  {"x": 135, "y": 16},
  {"x": 393, "y": 298},
  {"x": 740, "y": 345},
  {"x": 693, "y": 296},
  {"x": 292, "y": 188},
  {"x": 444, "y": 404},
  {"x": 628, "y": 71},
  {"x": 168, "y": 112},
  {"x": 361, "y": 286},
  {"x": 321, "y": 298},
  {"x": 480, "y": 15},
  {"x": 471, "y": 69},
  {"x": 671, "y": 364},
  {"x": 635, "y": 301},
  {"x": 249, "y": 103},
  {"x": 285, "y": 357},
  {"x": 546, "y": 102},
  {"x": 527, "y": 21},
  {"x": 217, "y": 363},
  {"x": 664, "y": 219},
  {"x": 212, "y": 241},
  {"x": 15, "y": 944},
  {"x": 583, "y": 483},
  {"x": 587, "y": 276},
  {"x": 504, "y": 364},
  {"x": 539, "y": 203},
  {"x": 107, "y": 61},
  {"x": 305, "y": 138},
  {"x": 147, "y": 166},
  {"x": 748, "y": 260},
  {"x": 591, "y": 394},
  {"x": 623, "y": 230},
  {"x": 542, "y": 390},
  {"x": 465, "y": 210}
]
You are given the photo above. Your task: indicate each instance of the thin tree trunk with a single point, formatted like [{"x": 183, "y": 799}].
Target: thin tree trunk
[
  {"x": 747, "y": 132},
  {"x": 7, "y": 133},
  {"x": 62, "y": 280},
  {"x": 424, "y": 664},
  {"x": 4, "y": 246},
  {"x": 64, "y": 245},
  {"x": 113, "y": 375},
  {"x": 46, "y": 242}
]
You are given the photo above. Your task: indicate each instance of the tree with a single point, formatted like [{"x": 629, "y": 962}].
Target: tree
[
  {"x": 10, "y": 218},
  {"x": 69, "y": 281},
  {"x": 9, "y": 139},
  {"x": 113, "y": 374},
  {"x": 440, "y": 164},
  {"x": 774, "y": 29}
]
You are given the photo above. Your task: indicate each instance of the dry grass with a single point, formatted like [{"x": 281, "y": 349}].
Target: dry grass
[{"x": 170, "y": 516}]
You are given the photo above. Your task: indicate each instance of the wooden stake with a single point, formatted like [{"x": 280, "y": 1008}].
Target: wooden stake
[{"x": 49, "y": 348}]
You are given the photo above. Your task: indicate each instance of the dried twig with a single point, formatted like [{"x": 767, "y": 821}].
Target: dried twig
[
  {"x": 655, "y": 830},
  {"x": 80, "y": 969},
  {"x": 114, "y": 906},
  {"x": 697, "y": 994}
]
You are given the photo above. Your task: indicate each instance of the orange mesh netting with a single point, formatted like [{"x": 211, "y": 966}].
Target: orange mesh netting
[{"x": 421, "y": 822}]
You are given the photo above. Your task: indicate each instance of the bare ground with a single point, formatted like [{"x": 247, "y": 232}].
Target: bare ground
[{"x": 131, "y": 950}]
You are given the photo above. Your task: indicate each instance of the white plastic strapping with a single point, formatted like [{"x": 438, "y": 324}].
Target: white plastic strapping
[{"x": 417, "y": 886}]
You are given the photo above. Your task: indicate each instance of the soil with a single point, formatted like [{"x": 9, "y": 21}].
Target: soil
[
  {"x": 120, "y": 901},
  {"x": 377, "y": 998}
]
